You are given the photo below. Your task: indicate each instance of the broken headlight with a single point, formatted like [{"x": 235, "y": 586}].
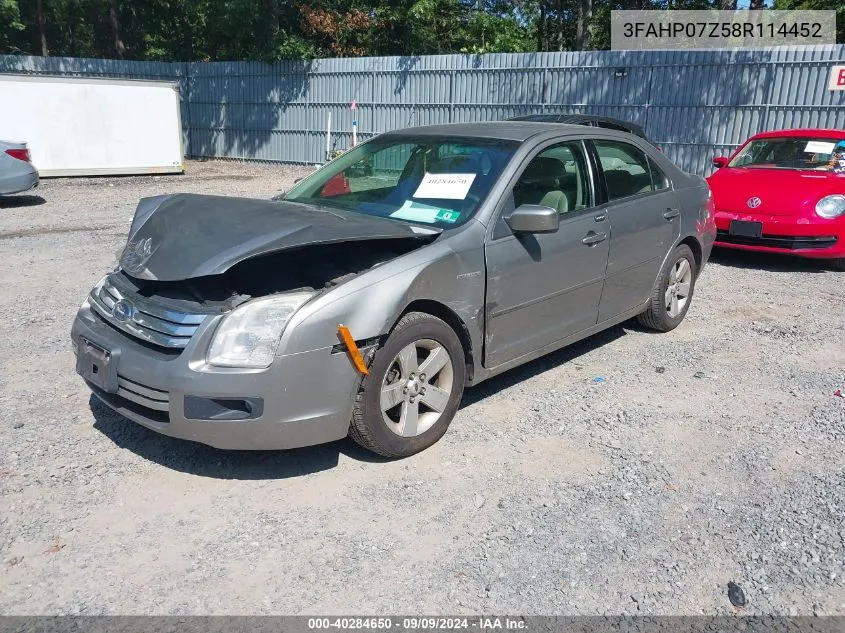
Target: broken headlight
[{"x": 249, "y": 335}]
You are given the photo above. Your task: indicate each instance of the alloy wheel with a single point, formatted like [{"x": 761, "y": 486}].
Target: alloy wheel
[
  {"x": 416, "y": 388},
  {"x": 678, "y": 289}
]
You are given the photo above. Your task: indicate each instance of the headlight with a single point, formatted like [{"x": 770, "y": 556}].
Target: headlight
[
  {"x": 831, "y": 206},
  {"x": 250, "y": 334}
]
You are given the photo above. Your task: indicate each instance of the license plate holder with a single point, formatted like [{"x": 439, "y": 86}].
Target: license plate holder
[
  {"x": 741, "y": 228},
  {"x": 97, "y": 365}
]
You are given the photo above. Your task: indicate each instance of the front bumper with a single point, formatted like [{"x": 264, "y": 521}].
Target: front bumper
[
  {"x": 817, "y": 238},
  {"x": 300, "y": 400}
]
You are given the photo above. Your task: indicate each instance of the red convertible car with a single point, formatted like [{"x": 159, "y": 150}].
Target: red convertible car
[{"x": 784, "y": 192}]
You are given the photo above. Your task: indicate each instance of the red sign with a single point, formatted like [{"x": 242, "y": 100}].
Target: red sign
[
  {"x": 837, "y": 78},
  {"x": 353, "y": 105}
]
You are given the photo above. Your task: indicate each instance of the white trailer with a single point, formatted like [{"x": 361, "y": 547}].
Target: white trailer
[{"x": 83, "y": 126}]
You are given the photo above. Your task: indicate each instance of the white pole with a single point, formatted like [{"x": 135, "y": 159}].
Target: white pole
[
  {"x": 354, "y": 107},
  {"x": 329, "y": 138}
]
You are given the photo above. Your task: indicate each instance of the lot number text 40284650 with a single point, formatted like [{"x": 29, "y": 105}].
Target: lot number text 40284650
[{"x": 417, "y": 623}]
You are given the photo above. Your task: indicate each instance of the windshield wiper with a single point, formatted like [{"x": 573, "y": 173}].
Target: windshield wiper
[{"x": 320, "y": 205}]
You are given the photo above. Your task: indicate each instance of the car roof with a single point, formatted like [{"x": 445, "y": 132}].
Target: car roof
[
  {"x": 817, "y": 132},
  {"x": 504, "y": 130}
]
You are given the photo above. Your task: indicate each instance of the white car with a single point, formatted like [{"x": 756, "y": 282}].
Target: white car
[{"x": 17, "y": 173}]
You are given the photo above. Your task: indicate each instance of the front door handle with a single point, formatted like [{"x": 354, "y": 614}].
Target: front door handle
[
  {"x": 594, "y": 238},
  {"x": 672, "y": 213}
]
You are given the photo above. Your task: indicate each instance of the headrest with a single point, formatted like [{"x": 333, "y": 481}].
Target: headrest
[
  {"x": 543, "y": 170},
  {"x": 459, "y": 164},
  {"x": 612, "y": 162}
]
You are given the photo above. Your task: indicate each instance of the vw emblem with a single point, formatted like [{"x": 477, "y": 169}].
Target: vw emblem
[
  {"x": 123, "y": 310},
  {"x": 754, "y": 202}
]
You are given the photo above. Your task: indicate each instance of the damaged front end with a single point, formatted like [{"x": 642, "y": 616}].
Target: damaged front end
[
  {"x": 219, "y": 323},
  {"x": 166, "y": 314},
  {"x": 189, "y": 257}
]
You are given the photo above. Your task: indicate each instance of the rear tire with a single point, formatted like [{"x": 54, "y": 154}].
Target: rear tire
[
  {"x": 413, "y": 388},
  {"x": 672, "y": 292}
]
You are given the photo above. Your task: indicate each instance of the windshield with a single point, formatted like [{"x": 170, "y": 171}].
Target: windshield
[
  {"x": 434, "y": 180},
  {"x": 793, "y": 152}
]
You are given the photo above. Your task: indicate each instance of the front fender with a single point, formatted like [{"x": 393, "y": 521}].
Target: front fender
[{"x": 370, "y": 304}]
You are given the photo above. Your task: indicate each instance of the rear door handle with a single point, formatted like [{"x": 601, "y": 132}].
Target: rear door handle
[
  {"x": 672, "y": 213},
  {"x": 594, "y": 238}
]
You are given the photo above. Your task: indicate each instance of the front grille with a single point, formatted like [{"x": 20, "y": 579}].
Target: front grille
[
  {"x": 144, "y": 319},
  {"x": 122, "y": 404},
  {"x": 778, "y": 241},
  {"x": 148, "y": 397}
]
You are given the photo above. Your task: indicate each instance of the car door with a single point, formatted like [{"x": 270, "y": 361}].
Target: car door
[
  {"x": 644, "y": 223},
  {"x": 542, "y": 287}
]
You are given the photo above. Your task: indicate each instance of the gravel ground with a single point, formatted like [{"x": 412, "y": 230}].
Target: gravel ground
[{"x": 711, "y": 454}]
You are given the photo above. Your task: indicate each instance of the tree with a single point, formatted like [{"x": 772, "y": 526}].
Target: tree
[
  {"x": 268, "y": 30},
  {"x": 818, "y": 5},
  {"x": 495, "y": 27},
  {"x": 341, "y": 31},
  {"x": 42, "y": 26},
  {"x": 10, "y": 15},
  {"x": 119, "y": 46},
  {"x": 585, "y": 15}
]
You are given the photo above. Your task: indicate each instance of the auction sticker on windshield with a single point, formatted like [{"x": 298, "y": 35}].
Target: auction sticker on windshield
[
  {"x": 419, "y": 212},
  {"x": 819, "y": 147},
  {"x": 449, "y": 186}
]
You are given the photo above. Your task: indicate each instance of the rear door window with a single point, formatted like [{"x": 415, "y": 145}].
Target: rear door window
[{"x": 625, "y": 167}]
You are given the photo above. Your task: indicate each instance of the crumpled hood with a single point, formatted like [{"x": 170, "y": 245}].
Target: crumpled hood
[{"x": 182, "y": 236}]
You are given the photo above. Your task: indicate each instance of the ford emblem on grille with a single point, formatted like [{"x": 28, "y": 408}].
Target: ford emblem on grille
[
  {"x": 123, "y": 310},
  {"x": 754, "y": 202}
]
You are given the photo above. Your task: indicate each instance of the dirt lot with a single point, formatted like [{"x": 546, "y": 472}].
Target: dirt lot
[{"x": 711, "y": 454}]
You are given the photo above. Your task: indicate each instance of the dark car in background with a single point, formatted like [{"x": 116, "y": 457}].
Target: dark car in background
[{"x": 592, "y": 120}]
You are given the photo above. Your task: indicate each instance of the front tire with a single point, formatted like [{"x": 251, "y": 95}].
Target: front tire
[
  {"x": 672, "y": 293},
  {"x": 413, "y": 388}
]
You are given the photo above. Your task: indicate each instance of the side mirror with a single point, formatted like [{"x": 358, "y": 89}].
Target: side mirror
[
  {"x": 719, "y": 162},
  {"x": 533, "y": 218}
]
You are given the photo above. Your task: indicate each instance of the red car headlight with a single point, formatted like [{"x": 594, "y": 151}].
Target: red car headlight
[{"x": 831, "y": 207}]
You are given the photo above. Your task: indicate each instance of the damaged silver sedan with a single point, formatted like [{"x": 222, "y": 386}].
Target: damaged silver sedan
[{"x": 418, "y": 263}]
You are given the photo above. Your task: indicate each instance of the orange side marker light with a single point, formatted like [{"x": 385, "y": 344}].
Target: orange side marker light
[{"x": 352, "y": 349}]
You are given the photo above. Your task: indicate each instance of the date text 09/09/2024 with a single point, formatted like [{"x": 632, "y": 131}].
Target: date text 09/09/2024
[{"x": 418, "y": 623}]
